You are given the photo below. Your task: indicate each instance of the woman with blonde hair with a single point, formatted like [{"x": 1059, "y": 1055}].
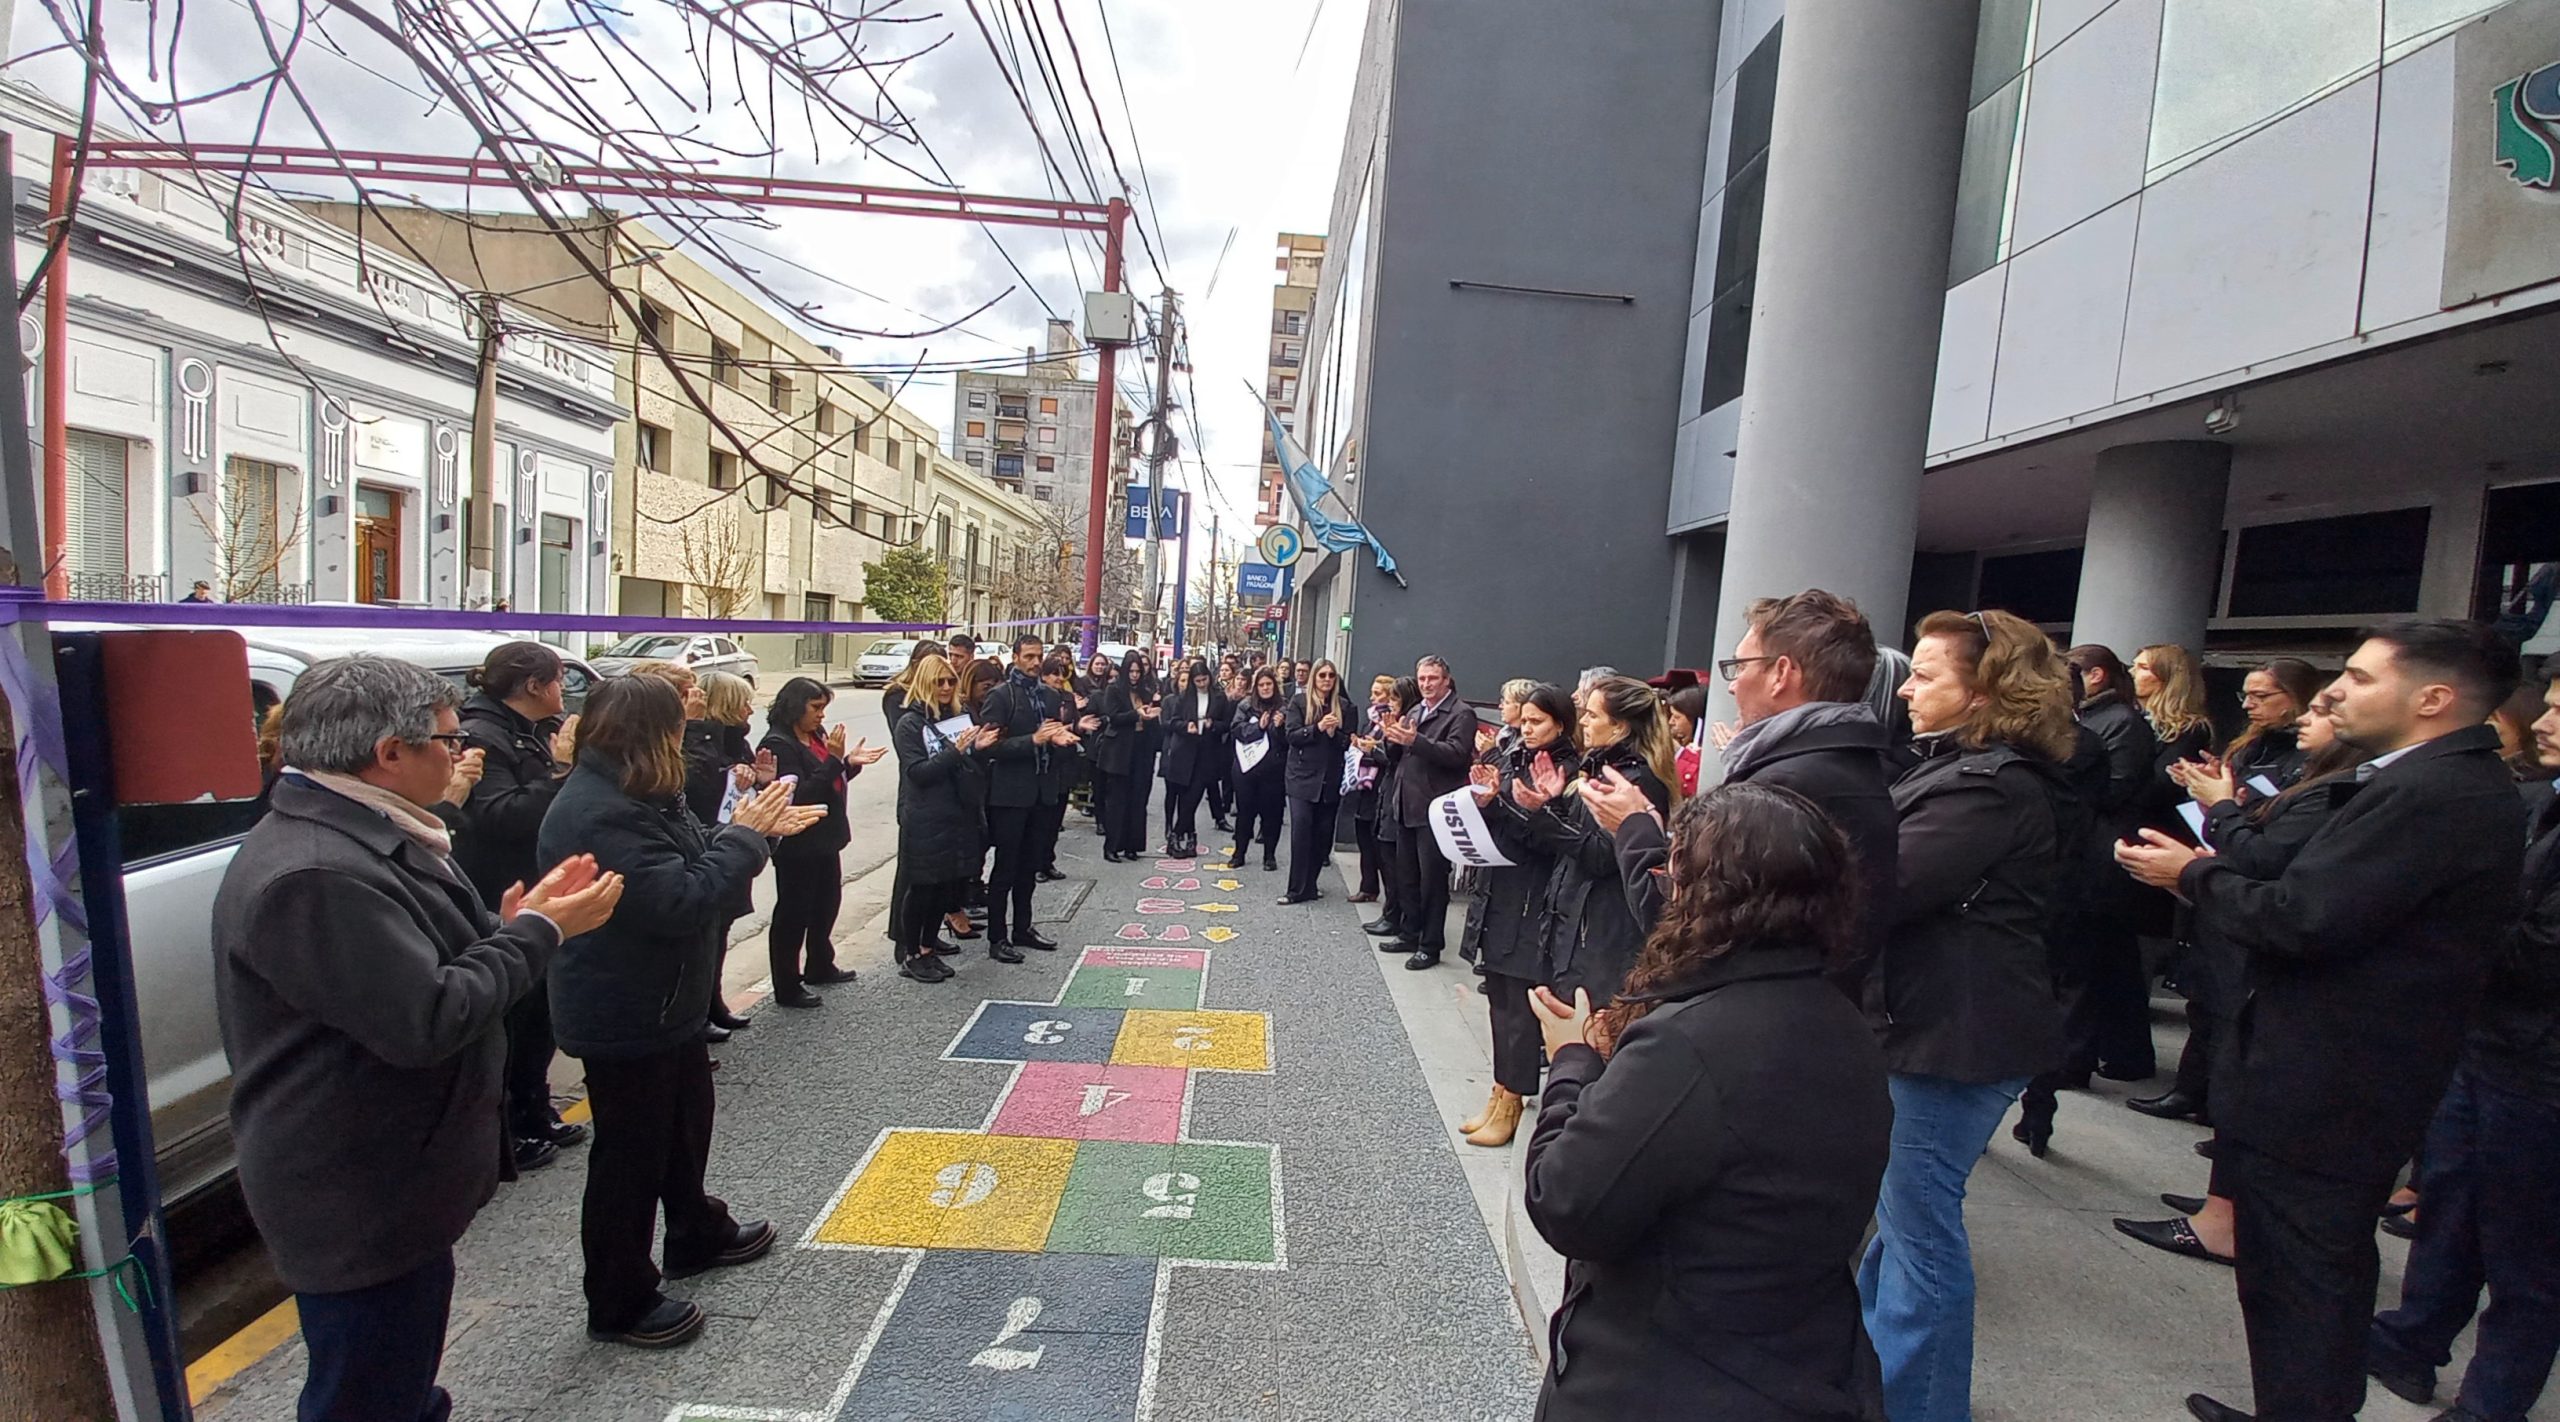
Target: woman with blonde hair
[
  {"x": 1592, "y": 936},
  {"x": 720, "y": 767},
  {"x": 1317, "y": 726},
  {"x": 941, "y": 814},
  {"x": 1962, "y": 997}
]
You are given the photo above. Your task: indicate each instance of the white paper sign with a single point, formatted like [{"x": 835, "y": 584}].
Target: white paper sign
[
  {"x": 1250, "y": 753},
  {"x": 1459, "y": 826},
  {"x": 2264, "y": 786},
  {"x": 2193, "y": 814},
  {"x": 951, "y": 727}
]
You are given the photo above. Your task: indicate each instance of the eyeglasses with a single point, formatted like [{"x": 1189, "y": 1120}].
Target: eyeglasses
[
  {"x": 2260, "y": 698},
  {"x": 454, "y": 741},
  {"x": 1731, "y": 667}
]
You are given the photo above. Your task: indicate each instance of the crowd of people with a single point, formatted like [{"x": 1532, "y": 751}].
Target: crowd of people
[{"x": 1774, "y": 984}]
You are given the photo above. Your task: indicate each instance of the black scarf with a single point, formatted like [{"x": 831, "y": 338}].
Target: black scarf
[{"x": 1026, "y": 685}]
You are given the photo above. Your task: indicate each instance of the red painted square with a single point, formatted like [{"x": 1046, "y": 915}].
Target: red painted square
[{"x": 1093, "y": 1101}]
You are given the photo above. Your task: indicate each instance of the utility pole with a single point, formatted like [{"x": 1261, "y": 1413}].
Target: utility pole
[
  {"x": 57, "y": 377},
  {"x": 1166, "y": 322},
  {"x": 480, "y": 578},
  {"x": 1098, "y": 506}
]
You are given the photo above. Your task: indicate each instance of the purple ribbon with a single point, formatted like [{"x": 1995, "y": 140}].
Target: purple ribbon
[{"x": 17, "y": 606}]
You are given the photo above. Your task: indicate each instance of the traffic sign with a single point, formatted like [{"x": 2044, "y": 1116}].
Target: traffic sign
[{"x": 1280, "y": 545}]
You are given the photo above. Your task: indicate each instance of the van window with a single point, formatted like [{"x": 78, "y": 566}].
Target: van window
[{"x": 149, "y": 832}]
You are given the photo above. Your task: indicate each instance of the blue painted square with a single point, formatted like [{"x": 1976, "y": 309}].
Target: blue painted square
[
  {"x": 1006, "y": 1336},
  {"x": 1095, "y": 1293},
  {"x": 1038, "y": 1032}
]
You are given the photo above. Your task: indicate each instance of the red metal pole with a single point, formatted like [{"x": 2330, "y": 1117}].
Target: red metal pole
[
  {"x": 57, "y": 378},
  {"x": 1097, "y": 517}
]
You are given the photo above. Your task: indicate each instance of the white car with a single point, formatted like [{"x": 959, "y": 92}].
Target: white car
[
  {"x": 700, "y": 651},
  {"x": 883, "y": 661},
  {"x": 1118, "y": 652}
]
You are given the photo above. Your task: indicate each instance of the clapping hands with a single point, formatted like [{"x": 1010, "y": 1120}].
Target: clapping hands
[
  {"x": 574, "y": 896},
  {"x": 2207, "y": 779},
  {"x": 769, "y": 812}
]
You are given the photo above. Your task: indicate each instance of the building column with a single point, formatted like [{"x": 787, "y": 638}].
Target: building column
[
  {"x": 2153, "y": 559},
  {"x": 1866, "y": 138}
]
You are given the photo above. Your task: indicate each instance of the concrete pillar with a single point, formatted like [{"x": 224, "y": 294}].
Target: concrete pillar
[
  {"x": 1866, "y": 138},
  {"x": 2154, "y": 552}
]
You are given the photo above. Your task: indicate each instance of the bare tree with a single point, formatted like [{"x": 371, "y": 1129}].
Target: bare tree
[
  {"x": 720, "y": 564},
  {"x": 249, "y": 548}
]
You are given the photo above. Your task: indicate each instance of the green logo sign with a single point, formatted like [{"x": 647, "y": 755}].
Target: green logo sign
[{"x": 2528, "y": 146}]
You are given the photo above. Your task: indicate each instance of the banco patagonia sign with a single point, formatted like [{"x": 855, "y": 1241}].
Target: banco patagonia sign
[{"x": 2528, "y": 139}]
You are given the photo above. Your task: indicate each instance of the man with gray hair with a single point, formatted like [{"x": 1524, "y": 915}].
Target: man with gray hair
[{"x": 363, "y": 989}]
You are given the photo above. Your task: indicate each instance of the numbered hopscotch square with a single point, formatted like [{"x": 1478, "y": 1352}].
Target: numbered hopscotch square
[
  {"x": 1170, "y": 989},
  {"x": 1203, "y": 1202},
  {"x": 1207, "y": 1041},
  {"x": 1091, "y": 1101},
  {"x": 952, "y": 1190},
  {"x": 1037, "y": 1032}
]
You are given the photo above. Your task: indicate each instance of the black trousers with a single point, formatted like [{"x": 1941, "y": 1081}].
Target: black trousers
[
  {"x": 2195, "y": 1059},
  {"x": 373, "y": 1351},
  {"x": 1519, "y": 1052},
  {"x": 1124, "y": 814},
  {"x": 1377, "y": 859},
  {"x": 2106, "y": 1001},
  {"x": 918, "y": 917},
  {"x": 1422, "y": 887},
  {"x": 1099, "y": 796},
  {"x": 1222, "y": 795},
  {"x": 1013, "y": 831},
  {"x": 806, "y": 895},
  {"x": 1258, "y": 802},
  {"x": 530, "y": 1047},
  {"x": 1310, "y": 841},
  {"x": 1052, "y": 823},
  {"x": 1182, "y": 810},
  {"x": 2307, "y": 1270},
  {"x": 652, "y": 1144}
]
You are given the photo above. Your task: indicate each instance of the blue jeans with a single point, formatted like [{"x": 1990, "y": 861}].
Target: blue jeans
[
  {"x": 2490, "y": 1192},
  {"x": 1916, "y": 1283},
  {"x": 374, "y": 1350}
]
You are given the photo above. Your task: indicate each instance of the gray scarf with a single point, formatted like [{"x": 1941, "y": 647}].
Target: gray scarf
[{"x": 1753, "y": 745}]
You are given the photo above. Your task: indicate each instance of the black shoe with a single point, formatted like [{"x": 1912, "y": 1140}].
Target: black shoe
[
  {"x": 1423, "y": 958},
  {"x": 752, "y": 1241},
  {"x": 2114, "y": 1072},
  {"x": 937, "y": 944},
  {"x": 822, "y": 977},
  {"x": 714, "y": 1034},
  {"x": 672, "y": 1324},
  {"x": 1223, "y": 826},
  {"x": 2407, "y": 1381},
  {"x": 1048, "y": 876},
  {"x": 1401, "y": 943},
  {"x": 925, "y": 968},
  {"x": 799, "y": 997},
  {"x": 2184, "y": 1204},
  {"x": 534, "y": 1152},
  {"x": 1002, "y": 951},
  {"x": 1270, "y": 862},
  {"x": 2176, "y": 1236},
  {"x": 1235, "y": 860},
  {"x": 2205, "y": 1147},
  {"x": 721, "y": 1016},
  {"x": 565, "y": 1134},
  {"x": 2205, "y": 1409},
  {"x": 2400, "y": 1226},
  {"x": 1380, "y": 928},
  {"x": 1035, "y": 940},
  {"x": 1287, "y": 899},
  {"x": 2034, "y": 1131},
  {"x": 2170, "y": 1105}
]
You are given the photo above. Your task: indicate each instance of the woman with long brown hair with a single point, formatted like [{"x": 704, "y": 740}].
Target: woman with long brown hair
[
  {"x": 1709, "y": 1146},
  {"x": 1591, "y": 935},
  {"x": 1506, "y": 904},
  {"x": 2274, "y": 698},
  {"x": 630, "y": 998}
]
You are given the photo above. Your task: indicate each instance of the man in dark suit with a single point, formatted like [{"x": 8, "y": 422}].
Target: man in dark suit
[
  {"x": 1430, "y": 752},
  {"x": 2365, "y": 963},
  {"x": 1018, "y": 785}
]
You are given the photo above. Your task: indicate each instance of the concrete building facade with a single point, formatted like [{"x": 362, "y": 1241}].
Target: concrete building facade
[
  {"x": 1301, "y": 265},
  {"x": 2157, "y": 320}
]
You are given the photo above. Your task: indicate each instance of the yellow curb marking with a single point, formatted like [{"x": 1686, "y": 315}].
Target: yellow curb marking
[{"x": 234, "y": 1355}]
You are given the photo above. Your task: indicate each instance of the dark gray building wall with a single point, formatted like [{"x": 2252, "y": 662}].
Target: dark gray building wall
[{"x": 1519, "y": 447}]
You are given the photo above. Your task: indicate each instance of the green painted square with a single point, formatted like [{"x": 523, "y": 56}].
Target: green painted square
[
  {"x": 1169, "y": 989},
  {"x": 1209, "y": 1202}
]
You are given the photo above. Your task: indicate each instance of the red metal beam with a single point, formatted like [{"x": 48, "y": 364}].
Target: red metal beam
[{"x": 598, "y": 181}]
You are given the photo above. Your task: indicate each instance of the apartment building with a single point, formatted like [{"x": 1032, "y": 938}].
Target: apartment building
[
  {"x": 1028, "y": 425},
  {"x": 1293, "y": 299}
]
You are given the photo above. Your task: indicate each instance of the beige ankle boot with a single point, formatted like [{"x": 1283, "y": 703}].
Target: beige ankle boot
[
  {"x": 1475, "y": 1123},
  {"x": 1501, "y": 1120}
]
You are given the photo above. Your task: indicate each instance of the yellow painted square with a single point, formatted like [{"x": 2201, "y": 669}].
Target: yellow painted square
[
  {"x": 1210, "y": 1041},
  {"x": 953, "y": 1190}
]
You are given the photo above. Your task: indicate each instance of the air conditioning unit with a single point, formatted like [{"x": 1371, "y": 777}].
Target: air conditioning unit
[{"x": 1110, "y": 318}]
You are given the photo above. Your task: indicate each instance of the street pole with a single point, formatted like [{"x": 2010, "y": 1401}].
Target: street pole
[
  {"x": 480, "y": 579},
  {"x": 1156, "y": 452},
  {"x": 1097, "y": 513},
  {"x": 57, "y": 377},
  {"x": 1182, "y": 578}
]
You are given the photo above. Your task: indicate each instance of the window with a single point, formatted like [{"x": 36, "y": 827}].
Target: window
[
  {"x": 724, "y": 469},
  {"x": 1009, "y": 466},
  {"x": 920, "y": 464},
  {"x": 942, "y": 535},
  {"x": 557, "y": 565},
  {"x": 977, "y": 399},
  {"x": 830, "y": 419},
  {"x": 649, "y": 447},
  {"x": 97, "y": 527},
  {"x": 893, "y": 454},
  {"x": 248, "y": 555},
  {"x": 657, "y": 323},
  {"x": 1048, "y": 404},
  {"x": 2043, "y": 588},
  {"x": 1048, "y": 434},
  {"x": 778, "y": 392},
  {"x": 1746, "y": 187},
  {"x": 2358, "y": 565},
  {"x": 977, "y": 429},
  {"x": 1046, "y": 464},
  {"x": 1983, "y": 182},
  {"x": 724, "y": 363},
  {"x": 976, "y": 459},
  {"x": 2520, "y": 566},
  {"x": 1044, "y": 491}
]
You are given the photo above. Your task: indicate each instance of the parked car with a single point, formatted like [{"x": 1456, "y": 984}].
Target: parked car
[
  {"x": 882, "y": 661},
  {"x": 700, "y": 651},
  {"x": 174, "y": 859},
  {"x": 1116, "y": 651}
]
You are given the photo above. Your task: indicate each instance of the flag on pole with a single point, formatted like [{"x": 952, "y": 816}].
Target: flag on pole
[{"x": 1307, "y": 490}]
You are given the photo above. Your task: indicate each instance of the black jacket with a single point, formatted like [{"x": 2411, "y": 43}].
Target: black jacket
[
  {"x": 1018, "y": 772},
  {"x": 494, "y": 841},
  {"x": 2273, "y": 754},
  {"x": 1195, "y": 757},
  {"x": 642, "y": 982},
  {"x": 1315, "y": 755},
  {"x": 711, "y": 750},
  {"x": 362, "y": 986},
  {"x": 1835, "y": 754},
  {"x": 1591, "y": 935},
  {"x": 1443, "y": 750},
  {"x": 1709, "y": 1189},
  {"x": 1367, "y": 801},
  {"x": 1129, "y": 740},
  {"x": 2256, "y": 841},
  {"x": 2133, "y": 755},
  {"x": 1963, "y": 990},
  {"x": 2161, "y": 796},
  {"x": 941, "y": 798},
  {"x": 823, "y": 777},
  {"x": 2516, "y": 1044},
  {"x": 1245, "y": 728},
  {"x": 2367, "y": 957},
  {"x": 1506, "y": 907}
]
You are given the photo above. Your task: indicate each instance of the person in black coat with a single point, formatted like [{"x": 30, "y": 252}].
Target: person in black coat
[
  {"x": 1132, "y": 718},
  {"x": 1317, "y": 727},
  {"x": 808, "y": 870},
  {"x": 629, "y": 999},
  {"x": 1096, "y": 685},
  {"x": 2366, "y": 960},
  {"x": 2493, "y": 1165},
  {"x": 1591, "y": 931},
  {"x": 1195, "y": 752},
  {"x": 1962, "y": 999},
  {"x": 2274, "y": 698},
  {"x": 1377, "y": 861},
  {"x": 1021, "y": 781},
  {"x": 1430, "y": 749},
  {"x": 511, "y": 716},
  {"x": 719, "y": 766},
  {"x": 941, "y": 815},
  {"x": 1222, "y": 770},
  {"x": 1070, "y": 765},
  {"x": 1708, "y": 1150},
  {"x": 2098, "y": 968},
  {"x": 1506, "y": 908},
  {"x": 1256, "y": 730}
]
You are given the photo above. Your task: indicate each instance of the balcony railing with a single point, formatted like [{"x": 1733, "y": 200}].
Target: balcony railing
[{"x": 1013, "y": 412}]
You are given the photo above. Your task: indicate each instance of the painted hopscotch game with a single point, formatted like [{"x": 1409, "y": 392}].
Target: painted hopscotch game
[{"x": 1038, "y": 1247}]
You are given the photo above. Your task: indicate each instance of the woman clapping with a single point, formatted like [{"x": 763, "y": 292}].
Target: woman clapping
[
  {"x": 1317, "y": 726},
  {"x": 1256, "y": 730},
  {"x": 941, "y": 814},
  {"x": 808, "y": 873}
]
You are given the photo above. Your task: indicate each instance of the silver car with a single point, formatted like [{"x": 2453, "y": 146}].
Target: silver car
[
  {"x": 883, "y": 661},
  {"x": 700, "y": 651}
]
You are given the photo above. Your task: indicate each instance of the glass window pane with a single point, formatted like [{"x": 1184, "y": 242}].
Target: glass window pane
[
  {"x": 2225, "y": 67},
  {"x": 2359, "y": 564},
  {"x": 1999, "y": 45},
  {"x": 1982, "y": 184}
]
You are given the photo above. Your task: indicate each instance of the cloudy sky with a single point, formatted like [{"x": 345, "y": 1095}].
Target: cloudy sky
[{"x": 1238, "y": 112}]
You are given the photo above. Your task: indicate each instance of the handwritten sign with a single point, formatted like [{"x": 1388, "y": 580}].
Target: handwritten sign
[{"x": 1459, "y": 826}]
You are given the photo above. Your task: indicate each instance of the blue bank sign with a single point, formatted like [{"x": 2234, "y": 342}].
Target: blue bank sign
[{"x": 1260, "y": 582}]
